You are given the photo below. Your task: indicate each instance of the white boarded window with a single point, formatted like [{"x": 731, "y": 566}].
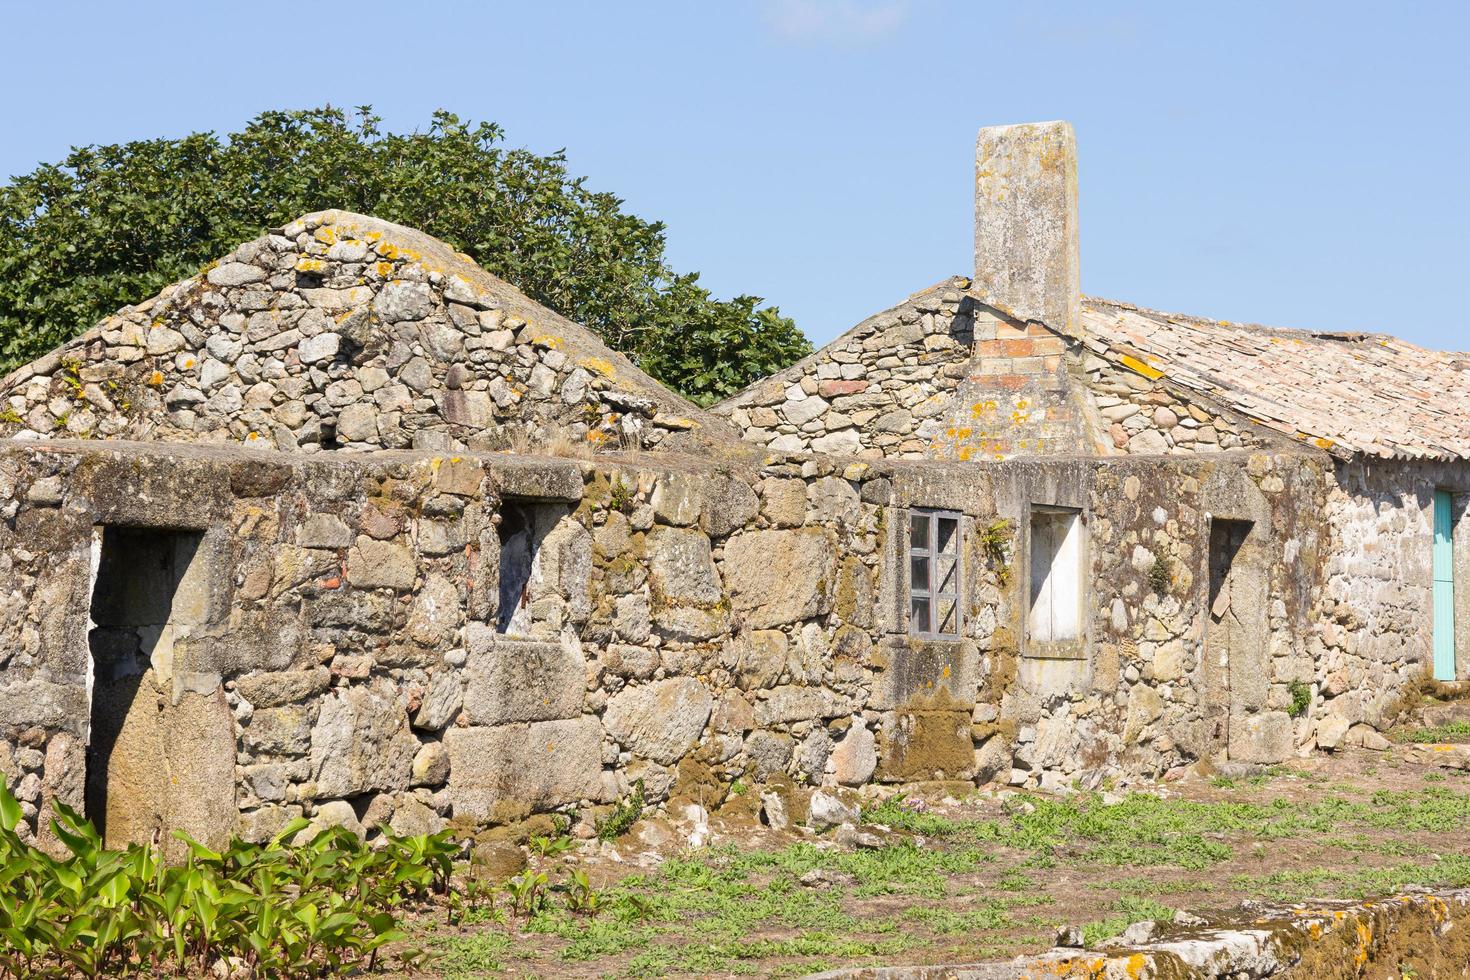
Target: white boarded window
[
  {"x": 934, "y": 573},
  {"x": 1056, "y": 576}
]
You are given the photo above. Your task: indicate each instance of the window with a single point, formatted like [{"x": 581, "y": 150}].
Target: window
[
  {"x": 518, "y": 553},
  {"x": 1056, "y": 576},
  {"x": 532, "y": 591},
  {"x": 934, "y": 573}
]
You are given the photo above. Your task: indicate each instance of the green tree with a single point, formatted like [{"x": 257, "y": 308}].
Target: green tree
[{"x": 112, "y": 225}]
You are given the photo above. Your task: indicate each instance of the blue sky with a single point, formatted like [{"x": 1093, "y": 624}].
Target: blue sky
[{"x": 1301, "y": 164}]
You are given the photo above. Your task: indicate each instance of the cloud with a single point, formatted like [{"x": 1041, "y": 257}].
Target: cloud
[{"x": 840, "y": 23}]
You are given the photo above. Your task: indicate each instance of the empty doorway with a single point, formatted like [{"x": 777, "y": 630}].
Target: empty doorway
[
  {"x": 1236, "y": 679},
  {"x": 146, "y": 596}
]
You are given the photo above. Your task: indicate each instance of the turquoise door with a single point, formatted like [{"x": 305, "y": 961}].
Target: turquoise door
[{"x": 1444, "y": 589}]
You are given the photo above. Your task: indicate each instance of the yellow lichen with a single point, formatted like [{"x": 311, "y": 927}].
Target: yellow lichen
[
  {"x": 1139, "y": 367},
  {"x": 600, "y": 365}
]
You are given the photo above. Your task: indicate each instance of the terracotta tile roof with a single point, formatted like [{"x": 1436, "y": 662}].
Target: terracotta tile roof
[{"x": 1348, "y": 393}]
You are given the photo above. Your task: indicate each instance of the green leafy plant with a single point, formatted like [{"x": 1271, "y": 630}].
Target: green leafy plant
[
  {"x": 527, "y": 892},
  {"x": 279, "y": 909},
  {"x": 473, "y": 899},
  {"x": 181, "y": 203},
  {"x": 547, "y": 847},
  {"x": 620, "y": 496},
  {"x": 1301, "y": 699},
  {"x": 581, "y": 896},
  {"x": 995, "y": 545},
  {"x": 71, "y": 375},
  {"x": 623, "y": 816}
]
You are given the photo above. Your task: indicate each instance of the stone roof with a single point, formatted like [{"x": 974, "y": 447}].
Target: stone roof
[
  {"x": 345, "y": 331},
  {"x": 1348, "y": 393}
]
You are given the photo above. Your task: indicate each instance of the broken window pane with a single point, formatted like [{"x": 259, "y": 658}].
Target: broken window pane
[
  {"x": 945, "y": 578},
  {"x": 947, "y": 617},
  {"x": 948, "y": 536}
]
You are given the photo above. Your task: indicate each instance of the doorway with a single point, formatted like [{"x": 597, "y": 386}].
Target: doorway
[
  {"x": 1444, "y": 586},
  {"x": 1235, "y": 668},
  {"x": 141, "y": 606}
]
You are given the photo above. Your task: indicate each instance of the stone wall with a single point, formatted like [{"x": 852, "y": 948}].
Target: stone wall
[
  {"x": 944, "y": 376},
  {"x": 1375, "y": 637},
  {"x": 343, "y": 331},
  {"x": 684, "y": 625},
  {"x": 1142, "y": 414},
  {"x": 940, "y": 376}
]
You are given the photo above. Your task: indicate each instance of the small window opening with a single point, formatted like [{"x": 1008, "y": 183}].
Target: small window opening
[
  {"x": 517, "y": 556},
  {"x": 1056, "y": 576},
  {"x": 934, "y": 574},
  {"x": 524, "y": 527}
]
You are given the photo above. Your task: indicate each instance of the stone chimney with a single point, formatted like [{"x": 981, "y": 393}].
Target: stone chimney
[{"x": 1026, "y": 223}]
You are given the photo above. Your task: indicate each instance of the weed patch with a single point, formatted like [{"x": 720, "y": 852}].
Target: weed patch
[
  {"x": 1455, "y": 731},
  {"x": 1130, "y": 910}
]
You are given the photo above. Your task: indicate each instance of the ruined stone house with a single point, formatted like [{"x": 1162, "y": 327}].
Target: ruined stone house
[{"x": 344, "y": 526}]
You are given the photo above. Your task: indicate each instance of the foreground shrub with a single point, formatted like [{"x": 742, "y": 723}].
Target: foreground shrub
[{"x": 279, "y": 909}]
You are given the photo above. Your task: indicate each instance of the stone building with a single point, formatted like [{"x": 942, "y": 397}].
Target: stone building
[{"x": 344, "y": 526}]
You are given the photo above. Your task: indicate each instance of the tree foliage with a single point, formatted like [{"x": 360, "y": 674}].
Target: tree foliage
[{"x": 112, "y": 225}]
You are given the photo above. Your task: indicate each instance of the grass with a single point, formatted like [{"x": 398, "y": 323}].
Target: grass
[
  {"x": 987, "y": 914},
  {"x": 1451, "y": 871},
  {"x": 964, "y": 885},
  {"x": 1130, "y": 910},
  {"x": 474, "y": 955},
  {"x": 1455, "y": 731}
]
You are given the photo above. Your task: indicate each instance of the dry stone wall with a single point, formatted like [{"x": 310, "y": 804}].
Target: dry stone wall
[
  {"x": 940, "y": 376},
  {"x": 1140, "y": 414},
  {"x": 342, "y": 331},
  {"x": 353, "y": 645},
  {"x": 1375, "y": 637},
  {"x": 943, "y": 376}
]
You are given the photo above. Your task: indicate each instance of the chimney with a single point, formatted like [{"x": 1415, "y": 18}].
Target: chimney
[{"x": 1026, "y": 223}]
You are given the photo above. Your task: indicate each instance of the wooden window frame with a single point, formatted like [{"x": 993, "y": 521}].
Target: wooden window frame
[{"x": 931, "y": 596}]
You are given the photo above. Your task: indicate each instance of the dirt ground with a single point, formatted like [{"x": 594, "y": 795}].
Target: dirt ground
[{"x": 945, "y": 878}]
